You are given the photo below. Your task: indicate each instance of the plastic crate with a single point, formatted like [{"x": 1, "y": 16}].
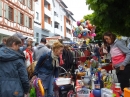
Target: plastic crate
[{"x": 126, "y": 92}]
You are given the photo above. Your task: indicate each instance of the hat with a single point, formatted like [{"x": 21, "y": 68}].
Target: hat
[{"x": 20, "y": 35}]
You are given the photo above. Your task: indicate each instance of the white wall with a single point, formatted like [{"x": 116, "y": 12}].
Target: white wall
[{"x": 38, "y": 9}]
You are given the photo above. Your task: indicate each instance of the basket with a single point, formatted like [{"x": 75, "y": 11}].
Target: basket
[{"x": 63, "y": 81}]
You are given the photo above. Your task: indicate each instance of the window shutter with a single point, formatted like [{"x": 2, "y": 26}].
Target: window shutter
[
  {"x": 25, "y": 2},
  {"x": 33, "y": 5},
  {"x": 24, "y": 20},
  {"x": 15, "y": 15},
  {"x": 6, "y": 11},
  {"x": 29, "y": 3},
  {"x": 18, "y": 17},
  {"x": 32, "y": 23},
  {"x": 0, "y": 8},
  {"x": 27, "y": 21}
]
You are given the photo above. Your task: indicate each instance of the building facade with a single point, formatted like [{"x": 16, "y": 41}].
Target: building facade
[
  {"x": 52, "y": 19},
  {"x": 16, "y": 16}
]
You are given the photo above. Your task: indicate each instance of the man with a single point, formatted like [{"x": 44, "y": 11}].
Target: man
[
  {"x": 41, "y": 48},
  {"x": 36, "y": 44},
  {"x": 84, "y": 46},
  {"x": 3, "y": 42},
  {"x": 14, "y": 80},
  {"x": 30, "y": 41},
  {"x": 23, "y": 38}
]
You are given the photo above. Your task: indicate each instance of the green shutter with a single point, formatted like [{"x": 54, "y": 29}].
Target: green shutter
[
  {"x": 6, "y": 11},
  {"x": 15, "y": 15},
  {"x": 0, "y": 8},
  {"x": 18, "y": 17}
]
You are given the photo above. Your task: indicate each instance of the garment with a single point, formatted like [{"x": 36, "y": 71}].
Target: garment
[
  {"x": 39, "y": 51},
  {"x": 123, "y": 76},
  {"x": 68, "y": 59},
  {"x": 84, "y": 47},
  {"x": 29, "y": 57},
  {"x": 120, "y": 54},
  {"x": 55, "y": 60},
  {"x": 96, "y": 51},
  {"x": 128, "y": 46},
  {"x": 34, "y": 48},
  {"x": 46, "y": 72},
  {"x": 13, "y": 75},
  {"x": 2, "y": 45}
]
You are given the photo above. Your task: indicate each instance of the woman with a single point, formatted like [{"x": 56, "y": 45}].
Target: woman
[
  {"x": 46, "y": 68},
  {"x": 13, "y": 75},
  {"x": 120, "y": 58},
  {"x": 28, "y": 55}
]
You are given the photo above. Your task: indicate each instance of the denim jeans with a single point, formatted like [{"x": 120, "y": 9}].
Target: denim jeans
[{"x": 49, "y": 91}]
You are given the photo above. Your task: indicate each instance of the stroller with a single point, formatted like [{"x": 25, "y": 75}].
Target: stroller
[{"x": 63, "y": 87}]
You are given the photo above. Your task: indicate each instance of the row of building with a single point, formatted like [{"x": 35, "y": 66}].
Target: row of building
[{"x": 36, "y": 19}]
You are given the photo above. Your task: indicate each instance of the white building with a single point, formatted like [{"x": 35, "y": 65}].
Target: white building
[{"x": 52, "y": 19}]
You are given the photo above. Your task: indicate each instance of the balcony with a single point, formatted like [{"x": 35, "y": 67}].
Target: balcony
[
  {"x": 56, "y": 19},
  {"x": 68, "y": 35},
  {"x": 48, "y": 27},
  {"x": 68, "y": 26},
  {"x": 47, "y": 12},
  {"x": 49, "y": 1},
  {"x": 57, "y": 31}
]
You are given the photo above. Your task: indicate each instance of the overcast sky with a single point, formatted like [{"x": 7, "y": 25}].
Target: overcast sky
[{"x": 78, "y": 8}]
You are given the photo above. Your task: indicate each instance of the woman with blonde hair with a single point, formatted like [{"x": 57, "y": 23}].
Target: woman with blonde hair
[{"x": 46, "y": 67}]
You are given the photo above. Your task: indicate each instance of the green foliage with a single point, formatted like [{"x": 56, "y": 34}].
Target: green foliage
[{"x": 111, "y": 15}]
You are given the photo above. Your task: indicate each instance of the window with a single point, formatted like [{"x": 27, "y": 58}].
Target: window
[
  {"x": 61, "y": 28},
  {"x": 10, "y": 13},
  {"x": 56, "y": 25},
  {"x": 30, "y": 23},
  {"x": 55, "y": 14},
  {"x": 30, "y": 4},
  {"x": 21, "y": 19},
  {"x": 37, "y": 2},
  {"x": 22, "y": 1},
  {"x": 37, "y": 15}
]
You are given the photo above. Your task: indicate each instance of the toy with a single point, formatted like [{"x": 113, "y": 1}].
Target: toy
[{"x": 39, "y": 87}]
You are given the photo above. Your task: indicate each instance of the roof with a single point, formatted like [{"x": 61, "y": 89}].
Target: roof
[{"x": 63, "y": 4}]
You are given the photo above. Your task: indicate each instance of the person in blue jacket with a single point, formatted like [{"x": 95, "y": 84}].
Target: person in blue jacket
[
  {"x": 14, "y": 80},
  {"x": 47, "y": 67}
]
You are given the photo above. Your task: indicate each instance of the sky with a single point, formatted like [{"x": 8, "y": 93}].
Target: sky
[{"x": 78, "y": 8}]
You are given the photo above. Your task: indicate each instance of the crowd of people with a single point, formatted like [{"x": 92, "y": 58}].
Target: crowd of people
[{"x": 17, "y": 54}]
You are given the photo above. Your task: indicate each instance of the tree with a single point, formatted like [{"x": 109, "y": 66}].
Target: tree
[{"x": 111, "y": 15}]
